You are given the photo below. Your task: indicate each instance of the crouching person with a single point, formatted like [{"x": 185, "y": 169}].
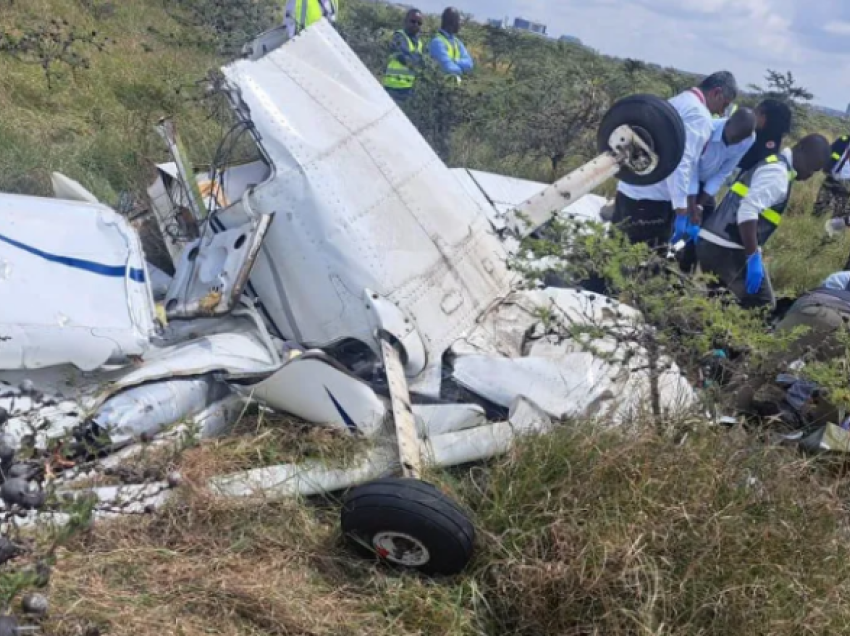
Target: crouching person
[
  {"x": 731, "y": 240},
  {"x": 824, "y": 311}
]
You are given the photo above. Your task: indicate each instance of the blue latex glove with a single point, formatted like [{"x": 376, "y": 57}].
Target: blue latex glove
[
  {"x": 692, "y": 231},
  {"x": 755, "y": 273},
  {"x": 680, "y": 226}
]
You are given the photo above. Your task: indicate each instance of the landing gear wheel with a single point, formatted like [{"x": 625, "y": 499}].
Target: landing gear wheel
[
  {"x": 659, "y": 126},
  {"x": 410, "y": 524}
]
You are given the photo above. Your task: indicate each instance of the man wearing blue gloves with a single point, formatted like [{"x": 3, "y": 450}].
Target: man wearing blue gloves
[
  {"x": 645, "y": 213},
  {"x": 732, "y": 237},
  {"x": 731, "y": 139}
]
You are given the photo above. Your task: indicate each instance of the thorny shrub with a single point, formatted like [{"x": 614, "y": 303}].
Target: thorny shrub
[
  {"x": 54, "y": 45},
  {"x": 682, "y": 318},
  {"x": 222, "y": 26}
]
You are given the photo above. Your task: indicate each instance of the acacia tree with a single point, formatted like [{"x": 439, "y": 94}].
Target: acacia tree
[
  {"x": 548, "y": 116},
  {"x": 784, "y": 87}
]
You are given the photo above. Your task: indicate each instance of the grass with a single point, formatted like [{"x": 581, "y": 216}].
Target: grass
[
  {"x": 97, "y": 127},
  {"x": 579, "y": 533}
]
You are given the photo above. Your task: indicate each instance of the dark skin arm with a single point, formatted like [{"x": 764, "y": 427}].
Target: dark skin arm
[
  {"x": 705, "y": 199},
  {"x": 749, "y": 236},
  {"x": 693, "y": 210}
]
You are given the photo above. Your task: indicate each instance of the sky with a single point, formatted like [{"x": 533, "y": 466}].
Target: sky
[{"x": 811, "y": 38}]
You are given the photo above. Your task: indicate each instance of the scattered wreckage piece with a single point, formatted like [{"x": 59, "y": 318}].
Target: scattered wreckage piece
[
  {"x": 379, "y": 310},
  {"x": 94, "y": 305}
]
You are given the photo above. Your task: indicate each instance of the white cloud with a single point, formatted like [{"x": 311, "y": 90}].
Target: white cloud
[
  {"x": 744, "y": 36},
  {"x": 838, "y": 28}
]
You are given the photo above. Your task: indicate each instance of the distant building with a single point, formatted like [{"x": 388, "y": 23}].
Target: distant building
[
  {"x": 497, "y": 23},
  {"x": 848, "y": 110},
  {"x": 569, "y": 38},
  {"x": 521, "y": 24}
]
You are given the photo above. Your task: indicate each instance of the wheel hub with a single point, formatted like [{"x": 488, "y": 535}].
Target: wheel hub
[{"x": 401, "y": 549}]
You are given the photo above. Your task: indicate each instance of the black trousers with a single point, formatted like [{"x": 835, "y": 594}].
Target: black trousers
[
  {"x": 688, "y": 256},
  {"x": 730, "y": 266},
  {"x": 643, "y": 221}
]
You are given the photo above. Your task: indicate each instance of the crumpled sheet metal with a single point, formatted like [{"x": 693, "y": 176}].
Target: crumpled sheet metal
[{"x": 520, "y": 349}]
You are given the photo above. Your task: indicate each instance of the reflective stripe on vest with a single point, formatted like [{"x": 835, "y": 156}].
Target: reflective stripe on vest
[
  {"x": 769, "y": 214},
  {"x": 453, "y": 46},
  {"x": 723, "y": 222},
  {"x": 397, "y": 75},
  {"x": 836, "y": 156}
]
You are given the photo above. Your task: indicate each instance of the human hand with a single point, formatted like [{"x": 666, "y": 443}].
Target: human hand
[
  {"x": 755, "y": 273},
  {"x": 680, "y": 226},
  {"x": 692, "y": 232},
  {"x": 695, "y": 213}
]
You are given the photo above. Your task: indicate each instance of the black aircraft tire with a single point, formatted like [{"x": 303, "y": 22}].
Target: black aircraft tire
[
  {"x": 410, "y": 524},
  {"x": 658, "y": 124}
]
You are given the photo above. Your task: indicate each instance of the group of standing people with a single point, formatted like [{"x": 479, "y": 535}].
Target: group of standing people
[
  {"x": 726, "y": 238},
  {"x": 408, "y": 53},
  {"x": 408, "y": 56}
]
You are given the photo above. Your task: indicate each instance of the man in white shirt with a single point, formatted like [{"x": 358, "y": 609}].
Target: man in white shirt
[
  {"x": 732, "y": 237},
  {"x": 730, "y": 140},
  {"x": 646, "y": 213}
]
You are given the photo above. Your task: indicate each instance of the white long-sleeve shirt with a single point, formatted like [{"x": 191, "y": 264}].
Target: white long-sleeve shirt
[
  {"x": 768, "y": 187},
  {"x": 698, "y": 128},
  {"x": 838, "y": 280},
  {"x": 719, "y": 160}
]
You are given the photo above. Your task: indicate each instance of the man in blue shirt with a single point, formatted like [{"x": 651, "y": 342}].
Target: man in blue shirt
[
  {"x": 731, "y": 138},
  {"x": 447, "y": 49}
]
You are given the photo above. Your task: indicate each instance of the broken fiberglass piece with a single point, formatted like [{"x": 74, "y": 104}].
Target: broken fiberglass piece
[
  {"x": 510, "y": 355},
  {"x": 73, "y": 285}
]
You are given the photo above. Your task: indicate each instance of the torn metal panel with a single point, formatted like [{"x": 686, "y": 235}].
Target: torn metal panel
[
  {"x": 474, "y": 191},
  {"x": 414, "y": 236},
  {"x": 147, "y": 410},
  {"x": 315, "y": 388},
  {"x": 438, "y": 419},
  {"x": 47, "y": 403},
  {"x": 66, "y": 188},
  {"x": 491, "y": 440},
  {"x": 510, "y": 354},
  {"x": 73, "y": 285}
]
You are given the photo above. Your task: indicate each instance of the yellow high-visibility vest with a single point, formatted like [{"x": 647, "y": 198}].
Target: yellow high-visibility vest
[
  {"x": 399, "y": 76},
  {"x": 306, "y": 12},
  {"x": 452, "y": 46},
  {"x": 768, "y": 214}
]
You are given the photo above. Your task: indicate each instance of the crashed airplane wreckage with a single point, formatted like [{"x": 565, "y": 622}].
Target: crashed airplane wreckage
[{"x": 345, "y": 278}]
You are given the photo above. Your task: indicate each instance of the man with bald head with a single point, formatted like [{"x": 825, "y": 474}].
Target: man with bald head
[
  {"x": 731, "y": 138},
  {"x": 447, "y": 49},
  {"x": 732, "y": 237}
]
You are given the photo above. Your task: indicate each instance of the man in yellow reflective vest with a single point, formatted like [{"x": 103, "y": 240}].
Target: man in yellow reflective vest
[
  {"x": 302, "y": 13},
  {"x": 447, "y": 49},
  {"x": 731, "y": 239},
  {"x": 406, "y": 57}
]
